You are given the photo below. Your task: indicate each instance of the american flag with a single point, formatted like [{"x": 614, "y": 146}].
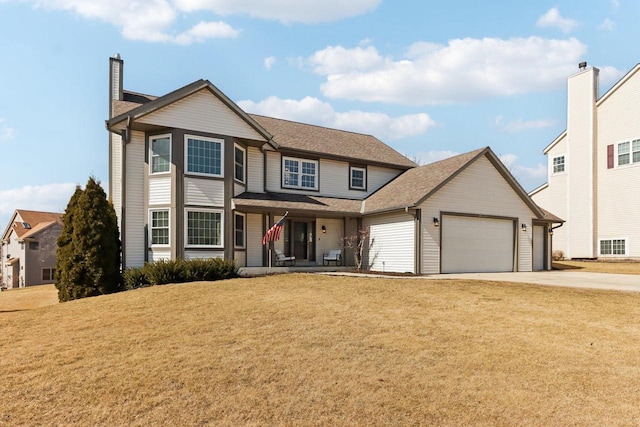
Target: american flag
[{"x": 274, "y": 232}]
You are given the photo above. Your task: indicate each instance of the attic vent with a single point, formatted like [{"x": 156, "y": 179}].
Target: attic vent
[{"x": 26, "y": 225}]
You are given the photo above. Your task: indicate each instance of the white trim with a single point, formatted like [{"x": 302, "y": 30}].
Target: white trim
[
  {"x": 150, "y": 243},
  {"x": 244, "y": 165},
  {"x": 364, "y": 178},
  {"x": 151, "y": 156},
  {"x": 299, "y": 186},
  {"x": 244, "y": 230},
  {"x": 612, "y": 255},
  {"x": 187, "y": 137},
  {"x": 186, "y": 227},
  {"x": 616, "y": 153},
  {"x": 552, "y": 165}
]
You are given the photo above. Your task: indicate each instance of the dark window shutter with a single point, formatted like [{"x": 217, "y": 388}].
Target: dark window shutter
[{"x": 610, "y": 156}]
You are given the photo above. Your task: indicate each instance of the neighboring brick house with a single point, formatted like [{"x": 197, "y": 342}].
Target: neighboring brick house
[
  {"x": 594, "y": 169},
  {"x": 194, "y": 176},
  {"x": 29, "y": 246}
]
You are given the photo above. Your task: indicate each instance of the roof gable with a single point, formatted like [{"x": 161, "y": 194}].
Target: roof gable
[{"x": 26, "y": 223}]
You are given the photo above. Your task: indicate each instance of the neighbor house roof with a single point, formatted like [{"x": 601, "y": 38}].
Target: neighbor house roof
[
  {"x": 298, "y": 137},
  {"x": 297, "y": 202},
  {"x": 32, "y": 222},
  {"x": 414, "y": 186}
]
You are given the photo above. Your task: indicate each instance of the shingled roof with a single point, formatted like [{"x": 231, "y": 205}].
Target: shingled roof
[
  {"x": 298, "y": 202},
  {"x": 36, "y": 221}
]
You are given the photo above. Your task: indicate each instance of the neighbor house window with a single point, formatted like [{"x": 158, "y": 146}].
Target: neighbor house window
[
  {"x": 613, "y": 247},
  {"x": 358, "y": 178},
  {"x": 159, "y": 225},
  {"x": 558, "y": 164},
  {"x": 204, "y": 155},
  {"x": 239, "y": 156},
  {"x": 204, "y": 228},
  {"x": 34, "y": 246},
  {"x": 624, "y": 153},
  {"x": 239, "y": 230},
  {"x": 160, "y": 154},
  {"x": 47, "y": 274},
  {"x": 298, "y": 173}
]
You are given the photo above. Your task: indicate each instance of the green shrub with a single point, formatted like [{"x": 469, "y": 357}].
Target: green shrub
[
  {"x": 165, "y": 271},
  {"x": 210, "y": 269},
  {"x": 134, "y": 278}
]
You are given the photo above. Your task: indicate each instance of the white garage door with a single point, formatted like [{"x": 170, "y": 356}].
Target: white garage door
[{"x": 475, "y": 245}]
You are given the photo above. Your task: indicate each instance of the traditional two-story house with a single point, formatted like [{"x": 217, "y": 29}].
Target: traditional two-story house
[
  {"x": 194, "y": 176},
  {"x": 594, "y": 166},
  {"x": 28, "y": 248}
]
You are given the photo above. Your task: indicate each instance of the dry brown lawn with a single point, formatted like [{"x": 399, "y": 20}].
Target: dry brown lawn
[
  {"x": 624, "y": 267},
  {"x": 317, "y": 350},
  {"x": 27, "y": 298}
]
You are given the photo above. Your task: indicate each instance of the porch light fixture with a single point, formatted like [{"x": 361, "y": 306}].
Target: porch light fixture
[
  {"x": 324, "y": 229},
  {"x": 436, "y": 222},
  {"x": 523, "y": 227}
]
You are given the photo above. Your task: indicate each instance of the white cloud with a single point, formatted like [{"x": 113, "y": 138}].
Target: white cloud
[
  {"x": 607, "y": 25},
  {"x": 615, "y": 3},
  {"x": 462, "y": 71},
  {"x": 523, "y": 172},
  {"x": 426, "y": 157},
  {"x": 146, "y": 20},
  {"x": 520, "y": 125},
  {"x": 269, "y": 62},
  {"x": 6, "y": 133},
  {"x": 315, "y": 111},
  {"x": 552, "y": 18},
  {"x": 48, "y": 198},
  {"x": 285, "y": 11}
]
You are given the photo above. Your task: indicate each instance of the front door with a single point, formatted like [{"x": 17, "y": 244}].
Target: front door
[
  {"x": 16, "y": 274},
  {"x": 300, "y": 247}
]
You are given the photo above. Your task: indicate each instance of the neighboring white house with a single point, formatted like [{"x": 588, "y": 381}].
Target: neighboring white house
[
  {"x": 194, "y": 176},
  {"x": 28, "y": 248},
  {"x": 594, "y": 170}
]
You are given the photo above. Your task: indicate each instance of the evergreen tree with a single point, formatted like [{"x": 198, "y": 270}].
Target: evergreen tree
[{"x": 88, "y": 261}]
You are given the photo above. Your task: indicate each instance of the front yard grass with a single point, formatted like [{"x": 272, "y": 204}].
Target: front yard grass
[
  {"x": 620, "y": 267},
  {"x": 305, "y": 349}
]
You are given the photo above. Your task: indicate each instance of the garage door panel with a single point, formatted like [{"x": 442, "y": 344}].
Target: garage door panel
[{"x": 474, "y": 245}]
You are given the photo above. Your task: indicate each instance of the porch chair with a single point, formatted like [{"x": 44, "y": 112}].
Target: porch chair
[
  {"x": 334, "y": 255},
  {"x": 281, "y": 259}
]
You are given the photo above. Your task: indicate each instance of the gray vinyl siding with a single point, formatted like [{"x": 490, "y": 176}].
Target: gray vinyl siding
[
  {"x": 115, "y": 174},
  {"x": 197, "y": 112},
  {"x": 332, "y": 239},
  {"x": 240, "y": 258},
  {"x": 255, "y": 170},
  {"x": 391, "y": 242},
  {"x": 238, "y": 188},
  {"x": 538, "y": 247},
  {"x": 480, "y": 190},
  {"x": 159, "y": 254},
  {"x": 618, "y": 188},
  {"x": 203, "y": 254},
  {"x": 254, "y": 240},
  {"x": 135, "y": 196}
]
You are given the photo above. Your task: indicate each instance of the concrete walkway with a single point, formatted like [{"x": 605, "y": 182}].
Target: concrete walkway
[{"x": 567, "y": 278}]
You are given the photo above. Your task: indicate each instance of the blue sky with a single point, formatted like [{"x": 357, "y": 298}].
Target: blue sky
[{"x": 431, "y": 79}]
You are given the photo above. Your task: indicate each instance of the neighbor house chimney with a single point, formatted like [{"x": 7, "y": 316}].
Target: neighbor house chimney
[
  {"x": 582, "y": 65},
  {"x": 115, "y": 81}
]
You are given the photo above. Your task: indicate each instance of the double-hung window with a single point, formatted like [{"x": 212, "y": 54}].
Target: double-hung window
[
  {"x": 358, "y": 178},
  {"x": 239, "y": 156},
  {"x": 204, "y": 228},
  {"x": 299, "y": 173},
  {"x": 160, "y": 154},
  {"x": 558, "y": 164},
  {"x": 204, "y": 155},
  {"x": 159, "y": 227},
  {"x": 239, "y": 230},
  {"x": 48, "y": 274},
  {"x": 624, "y": 155}
]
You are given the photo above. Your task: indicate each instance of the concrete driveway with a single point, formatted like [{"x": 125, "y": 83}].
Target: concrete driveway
[{"x": 568, "y": 278}]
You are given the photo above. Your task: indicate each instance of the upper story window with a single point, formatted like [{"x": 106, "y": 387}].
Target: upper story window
[
  {"x": 357, "y": 178},
  {"x": 299, "y": 173},
  {"x": 239, "y": 157},
  {"x": 558, "y": 164},
  {"x": 159, "y": 226},
  {"x": 34, "y": 246},
  {"x": 204, "y": 155},
  {"x": 160, "y": 154},
  {"x": 629, "y": 152}
]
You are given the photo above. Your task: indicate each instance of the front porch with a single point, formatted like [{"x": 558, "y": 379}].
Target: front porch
[{"x": 263, "y": 271}]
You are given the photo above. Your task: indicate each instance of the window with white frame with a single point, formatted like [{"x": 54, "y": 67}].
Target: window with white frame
[
  {"x": 357, "y": 178},
  {"x": 159, "y": 227},
  {"x": 239, "y": 157},
  {"x": 160, "y": 154},
  {"x": 558, "y": 164},
  {"x": 204, "y": 155},
  {"x": 239, "y": 226},
  {"x": 613, "y": 247},
  {"x": 299, "y": 173},
  {"x": 48, "y": 274},
  {"x": 628, "y": 152},
  {"x": 204, "y": 228}
]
